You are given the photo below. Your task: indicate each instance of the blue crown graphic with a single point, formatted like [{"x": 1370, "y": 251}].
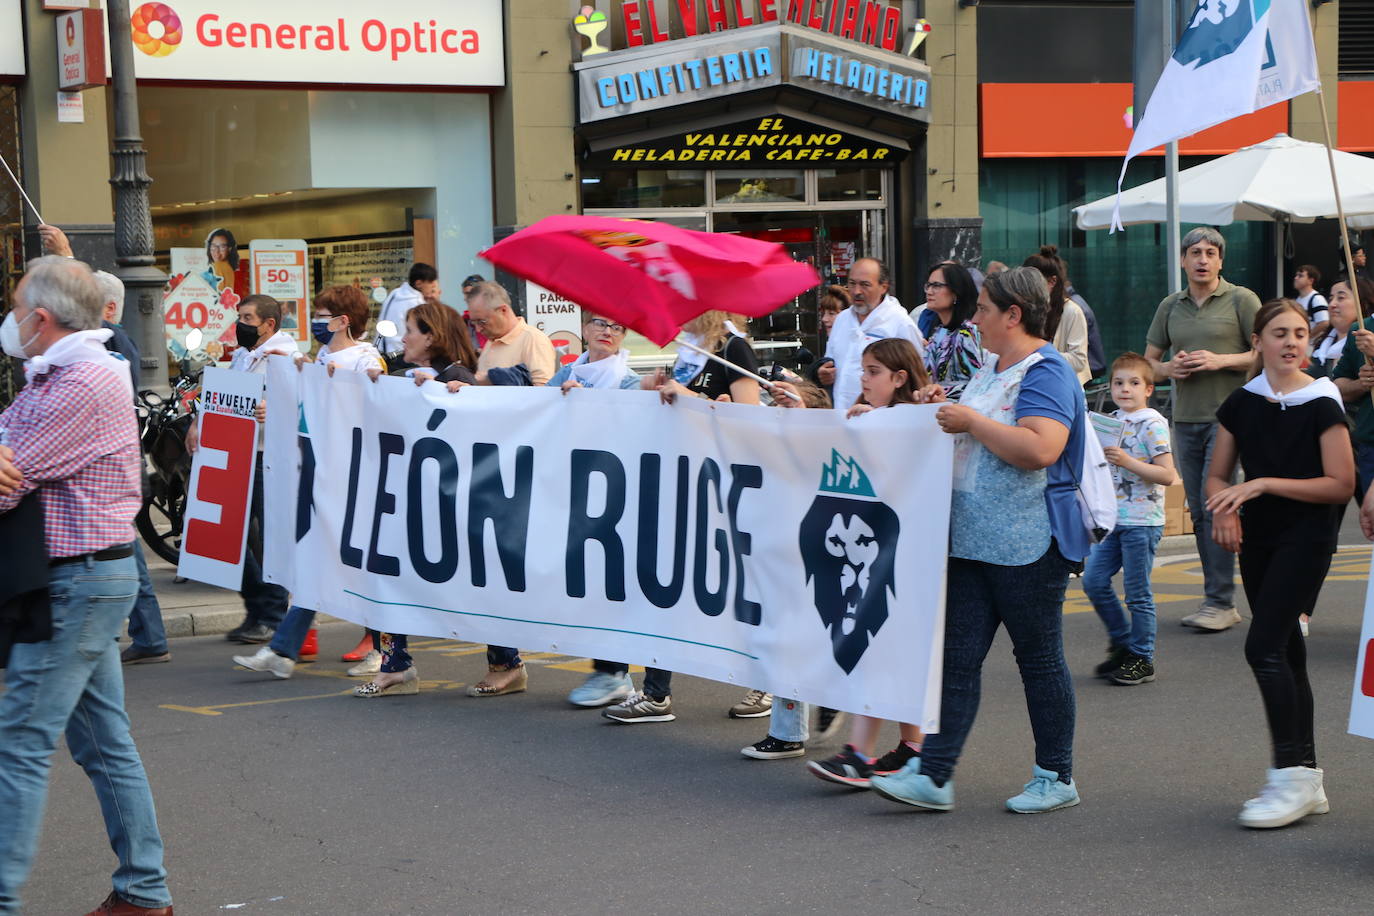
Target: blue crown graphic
[{"x": 844, "y": 477}]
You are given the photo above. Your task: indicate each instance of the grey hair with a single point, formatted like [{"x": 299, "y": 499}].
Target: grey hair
[
  {"x": 66, "y": 288},
  {"x": 884, "y": 275},
  {"x": 1024, "y": 287},
  {"x": 111, "y": 290},
  {"x": 492, "y": 293},
  {"x": 1204, "y": 235}
]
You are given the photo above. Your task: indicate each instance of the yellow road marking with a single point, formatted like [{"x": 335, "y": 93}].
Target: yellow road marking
[{"x": 218, "y": 710}]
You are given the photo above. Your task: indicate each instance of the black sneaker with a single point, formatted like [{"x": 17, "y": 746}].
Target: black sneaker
[
  {"x": 234, "y": 634},
  {"x": 894, "y": 760},
  {"x": 828, "y": 722},
  {"x": 255, "y": 635},
  {"x": 771, "y": 748},
  {"x": 137, "y": 655},
  {"x": 1135, "y": 670},
  {"x": 1116, "y": 657},
  {"x": 847, "y": 768}
]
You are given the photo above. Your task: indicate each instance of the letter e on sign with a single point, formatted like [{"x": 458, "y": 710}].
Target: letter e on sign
[{"x": 228, "y": 487}]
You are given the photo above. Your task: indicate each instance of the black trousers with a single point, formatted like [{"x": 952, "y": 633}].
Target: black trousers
[{"x": 1282, "y": 583}]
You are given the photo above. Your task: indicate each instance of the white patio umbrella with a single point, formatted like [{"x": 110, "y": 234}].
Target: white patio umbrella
[{"x": 1281, "y": 179}]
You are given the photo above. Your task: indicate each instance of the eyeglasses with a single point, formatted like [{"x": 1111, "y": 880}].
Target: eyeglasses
[
  {"x": 605, "y": 325},
  {"x": 219, "y": 247},
  {"x": 932, "y": 285}
]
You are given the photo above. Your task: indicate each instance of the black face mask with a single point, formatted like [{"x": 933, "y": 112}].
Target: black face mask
[{"x": 246, "y": 335}]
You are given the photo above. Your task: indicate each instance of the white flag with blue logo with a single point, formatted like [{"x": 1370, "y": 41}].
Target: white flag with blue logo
[{"x": 1235, "y": 57}]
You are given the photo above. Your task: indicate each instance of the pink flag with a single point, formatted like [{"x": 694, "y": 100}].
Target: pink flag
[{"x": 652, "y": 277}]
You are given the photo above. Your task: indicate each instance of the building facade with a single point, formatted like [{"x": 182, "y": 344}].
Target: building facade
[{"x": 910, "y": 130}]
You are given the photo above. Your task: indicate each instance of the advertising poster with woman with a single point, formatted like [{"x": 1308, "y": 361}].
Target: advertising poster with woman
[{"x": 204, "y": 288}]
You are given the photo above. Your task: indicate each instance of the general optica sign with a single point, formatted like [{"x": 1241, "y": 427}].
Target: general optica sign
[{"x": 357, "y": 42}]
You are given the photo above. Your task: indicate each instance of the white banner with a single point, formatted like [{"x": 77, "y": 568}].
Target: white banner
[
  {"x": 358, "y": 42},
  {"x": 1362, "y": 697},
  {"x": 786, "y": 550},
  {"x": 222, "y": 479}
]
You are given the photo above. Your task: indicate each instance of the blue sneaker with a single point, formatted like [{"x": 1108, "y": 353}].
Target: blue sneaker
[
  {"x": 912, "y": 787},
  {"x": 601, "y": 689},
  {"x": 1044, "y": 793}
]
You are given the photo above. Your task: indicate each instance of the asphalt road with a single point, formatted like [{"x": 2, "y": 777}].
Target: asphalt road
[{"x": 292, "y": 798}]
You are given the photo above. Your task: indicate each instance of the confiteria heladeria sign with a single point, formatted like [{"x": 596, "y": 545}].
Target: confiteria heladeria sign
[{"x": 788, "y": 550}]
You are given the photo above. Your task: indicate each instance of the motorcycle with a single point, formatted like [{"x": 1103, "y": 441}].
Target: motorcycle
[{"x": 163, "y": 423}]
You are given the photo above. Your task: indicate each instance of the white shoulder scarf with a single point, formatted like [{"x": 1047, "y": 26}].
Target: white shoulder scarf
[
  {"x": 1321, "y": 388},
  {"x": 604, "y": 373},
  {"x": 82, "y": 347}
]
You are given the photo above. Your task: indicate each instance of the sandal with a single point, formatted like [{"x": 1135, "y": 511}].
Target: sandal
[
  {"x": 407, "y": 687},
  {"x": 517, "y": 684}
]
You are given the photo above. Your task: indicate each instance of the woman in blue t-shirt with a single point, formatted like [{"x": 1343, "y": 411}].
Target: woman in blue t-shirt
[{"x": 1015, "y": 531}]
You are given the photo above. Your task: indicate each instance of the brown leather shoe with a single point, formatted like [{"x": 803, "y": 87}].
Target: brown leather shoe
[{"x": 116, "y": 905}]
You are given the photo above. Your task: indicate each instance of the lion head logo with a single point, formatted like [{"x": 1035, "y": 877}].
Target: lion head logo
[
  {"x": 848, "y": 545},
  {"x": 1217, "y": 28}
]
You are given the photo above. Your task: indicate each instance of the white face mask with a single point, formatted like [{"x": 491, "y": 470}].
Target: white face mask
[{"x": 10, "y": 340}]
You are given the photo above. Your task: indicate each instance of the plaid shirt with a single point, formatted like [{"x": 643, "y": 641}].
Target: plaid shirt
[{"x": 75, "y": 440}]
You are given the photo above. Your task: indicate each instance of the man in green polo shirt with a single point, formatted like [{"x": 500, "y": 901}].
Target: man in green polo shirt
[{"x": 1207, "y": 326}]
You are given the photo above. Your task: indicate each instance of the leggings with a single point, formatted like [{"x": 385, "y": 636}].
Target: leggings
[{"x": 1282, "y": 582}]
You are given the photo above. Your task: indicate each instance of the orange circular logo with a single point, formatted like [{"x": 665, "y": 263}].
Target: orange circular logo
[{"x": 156, "y": 29}]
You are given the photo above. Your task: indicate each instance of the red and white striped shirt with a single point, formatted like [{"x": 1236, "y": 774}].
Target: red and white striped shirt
[{"x": 75, "y": 440}]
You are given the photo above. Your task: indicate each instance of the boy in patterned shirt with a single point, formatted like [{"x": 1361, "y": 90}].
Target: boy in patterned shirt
[{"x": 1142, "y": 466}]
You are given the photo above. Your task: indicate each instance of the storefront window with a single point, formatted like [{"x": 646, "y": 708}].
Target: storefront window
[
  {"x": 634, "y": 188},
  {"x": 848, "y": 185},
  {"x": 760, "y": 187},
  {"x": 1026, "y": 203}
]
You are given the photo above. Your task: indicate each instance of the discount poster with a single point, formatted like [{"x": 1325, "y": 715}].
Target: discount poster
[
  {"x": 195, "y": 298},
  {"x": 280, "y": 271}
]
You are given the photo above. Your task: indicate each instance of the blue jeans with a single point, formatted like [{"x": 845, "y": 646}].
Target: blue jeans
[
  {"x": 74, "y": 683},
  {"x": 788, "y": 720},
  {"x": 1193, "y": 453},
  {"x": 1029, "y": 601},
  {"x": 264, "y": 602},
  {"x": 290, "y": 635},
  {"x": 1130, "y": 550},
  {"x": 145, "y": 621}
]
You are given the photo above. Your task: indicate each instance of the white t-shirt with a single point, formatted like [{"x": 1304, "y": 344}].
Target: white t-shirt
[
  {"x": 1316, "y": 307},
  {"x": 358, "y": 358},
  {"x": 255, "y": 360},
  {"x": 848, "y": 338}
]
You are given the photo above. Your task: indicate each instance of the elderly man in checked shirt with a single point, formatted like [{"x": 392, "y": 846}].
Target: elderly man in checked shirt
[{"x": 71, "y": 436}]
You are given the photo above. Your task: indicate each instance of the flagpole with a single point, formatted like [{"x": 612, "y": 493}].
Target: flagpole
[
  {"x": 1345, "y": 231},
  {"x": 1340, "y": 212},
  {"x": 772, "y": 388},
  {"x": 22, "y": 193}
]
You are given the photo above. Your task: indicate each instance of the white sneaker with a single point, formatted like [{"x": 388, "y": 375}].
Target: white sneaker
[
  {"x": 267, "y": 660},
  {"x": 1214, "y": 618},
  {"x": 370, "y": 665},
  {"x": 1291, "y": 794}
]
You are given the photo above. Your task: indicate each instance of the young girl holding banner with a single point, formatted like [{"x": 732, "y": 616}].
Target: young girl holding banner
[
  {"x": 1288, "y": 432},
  {"x": 892, "y": 373}
]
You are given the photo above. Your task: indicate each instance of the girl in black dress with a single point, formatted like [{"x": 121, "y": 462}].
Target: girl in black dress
[{"x": 1288, "y": 432}]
